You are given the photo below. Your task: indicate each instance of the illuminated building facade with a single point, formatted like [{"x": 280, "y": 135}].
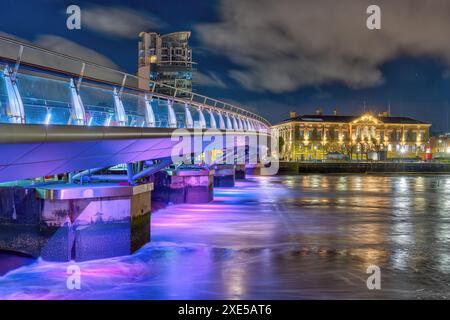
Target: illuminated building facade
[
  {"x": 364, "y": 137},
  {"x": 166, "y": 59},
  {"x": 440, "y": 146}
]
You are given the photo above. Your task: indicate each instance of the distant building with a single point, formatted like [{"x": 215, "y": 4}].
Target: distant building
[
  {"x": 166, "y": 59},
  {"x": 440, "y": 146},
  {"x": 364, "y": 137}
]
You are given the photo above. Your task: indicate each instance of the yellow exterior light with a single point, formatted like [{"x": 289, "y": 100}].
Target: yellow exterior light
[{"x": 367, "y": 130}]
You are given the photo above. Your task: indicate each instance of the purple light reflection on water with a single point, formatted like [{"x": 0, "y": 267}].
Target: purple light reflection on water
[{"x": 273, "y": 238}]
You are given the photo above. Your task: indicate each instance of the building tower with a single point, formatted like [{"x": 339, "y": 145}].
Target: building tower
[{"x": 166, "y": 59}]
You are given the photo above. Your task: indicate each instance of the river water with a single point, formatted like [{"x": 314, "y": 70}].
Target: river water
[{"x": 284, "y": 237}]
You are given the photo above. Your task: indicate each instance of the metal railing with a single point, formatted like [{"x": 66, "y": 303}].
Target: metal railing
[{"x": 28, "y": 60}]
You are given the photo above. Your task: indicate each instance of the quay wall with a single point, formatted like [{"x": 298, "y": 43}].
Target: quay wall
[{"x": 363, "y": 167}]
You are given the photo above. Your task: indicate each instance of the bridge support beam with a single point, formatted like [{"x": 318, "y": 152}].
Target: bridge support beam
[{"x": 61, "y": 222}]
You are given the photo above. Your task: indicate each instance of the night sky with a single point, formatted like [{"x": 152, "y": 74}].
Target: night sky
[{"x": 271, "y": 56}]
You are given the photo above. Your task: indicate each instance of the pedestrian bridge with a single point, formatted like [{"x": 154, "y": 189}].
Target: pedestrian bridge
[
  {"x": 61, "y": 114},
  {"x": 84, "y": 125}
]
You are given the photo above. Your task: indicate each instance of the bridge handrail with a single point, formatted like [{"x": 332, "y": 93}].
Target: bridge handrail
[{"x": 193, "y": 98}]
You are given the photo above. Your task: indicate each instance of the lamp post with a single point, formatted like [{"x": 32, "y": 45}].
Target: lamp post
[{"x": 402, "y": 151}]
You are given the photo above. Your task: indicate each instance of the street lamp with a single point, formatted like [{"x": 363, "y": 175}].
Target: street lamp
[{"x": 402, "y": 152}]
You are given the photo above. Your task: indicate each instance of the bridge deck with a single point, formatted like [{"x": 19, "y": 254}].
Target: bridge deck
[{"x": 29, "y": 151}]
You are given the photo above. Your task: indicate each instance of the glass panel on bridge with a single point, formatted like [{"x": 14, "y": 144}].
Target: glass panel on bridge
[
  {"x": 207, "y": 118},
  {"x": 99, "y": 106},
  {"x": 195, "y": 116},
  {"x": 161, "y": 113},
  {"x": 3, "y": 101},
  {"x": 134, "y": 109},
  {"x": 218, "y": 119},
  {"x": 45, "y": 100},
  {"x": 180, "y": 114}
]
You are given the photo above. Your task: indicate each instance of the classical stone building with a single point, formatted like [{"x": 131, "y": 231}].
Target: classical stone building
[
  {"x": 311, "y": 137},
  {"x": 440, "y": 146}
]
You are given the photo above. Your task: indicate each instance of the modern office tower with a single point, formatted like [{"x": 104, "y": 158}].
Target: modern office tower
[{"x": 166, "y": 59}]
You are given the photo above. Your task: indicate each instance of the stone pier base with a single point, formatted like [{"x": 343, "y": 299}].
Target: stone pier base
[
  {"x": 239, "y": 173},
  {"x": 193, "y": 185},
  {"x": 77, "y": 222},
  {"x": 253, "y": 169},
  {"x": 224, "y": 175}
]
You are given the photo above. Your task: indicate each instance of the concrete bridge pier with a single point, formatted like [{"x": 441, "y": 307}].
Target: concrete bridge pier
[
  {"x": 188, "y": 184},
  {"x": 63, "y": 222},
  {"x": 253, "y": 169},
  {"x": 240, "y": 172},
  {"x": 224, "y": 175}
]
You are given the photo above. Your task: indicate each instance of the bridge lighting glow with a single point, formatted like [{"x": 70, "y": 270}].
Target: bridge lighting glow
[
  {"x": 108, "y": 121},
  {"x": 90, "y": 121},
  {"x": 48, "y": 118}
]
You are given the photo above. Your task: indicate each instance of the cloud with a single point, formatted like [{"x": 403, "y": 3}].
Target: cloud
[
  {"x": 62, "y": 45},
  {"x": 118, "y": 21},
  {"x": 267, "y": 108},
  {"x": 280, "y": 46},
  {"x": 446, "y": 74},
  {"x": 209, "y": 80}
]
